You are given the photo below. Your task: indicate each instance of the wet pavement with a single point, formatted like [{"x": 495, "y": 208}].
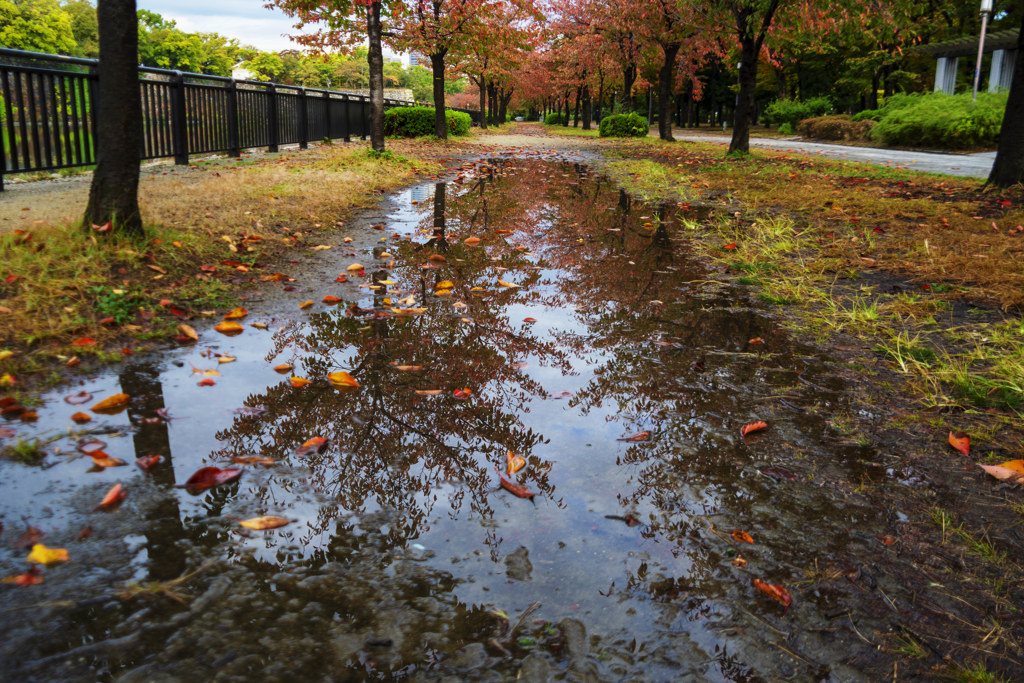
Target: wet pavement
[{"x": 524, "y": 306}]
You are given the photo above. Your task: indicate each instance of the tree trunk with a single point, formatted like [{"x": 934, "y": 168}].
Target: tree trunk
[
  {"x": 750, "y": 50},
  {"x": 483, "y": 101},
  {"x": 565, "y": 123},
  {"x": 666, "y": 83},
  {"x": 375, "y": 58},
  {"x": 506, "y": 97},
  {"x": 586, "y": 107},
  {"x": 1008, "y": 168},
  {"x": 780, "y": 83},
  {"x": 114, "y": 194},
  {"x": 628, "y": 76},
  {"x": 712, "y": 87},
  {"x": 576, "y": 113},
  {"x": 440, "y": 121}
]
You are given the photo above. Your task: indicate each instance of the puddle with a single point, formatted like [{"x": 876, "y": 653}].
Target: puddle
[{"x": 404, "y": 559}]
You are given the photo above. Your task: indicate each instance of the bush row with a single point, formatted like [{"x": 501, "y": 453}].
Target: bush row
[
  {"x": 630, "y": 125},
  {"x": 794, "y": 111},
  {"x": 836, "y": 128},
  {"x": 412, "y": 122},
  {"x": 939, "y": 120}
]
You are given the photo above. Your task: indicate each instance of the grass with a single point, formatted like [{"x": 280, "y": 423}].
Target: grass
[
  {"x": 973, "y": 673},
  {"x": 25, "y": 451},
  {"x": 574, "y": 131}
]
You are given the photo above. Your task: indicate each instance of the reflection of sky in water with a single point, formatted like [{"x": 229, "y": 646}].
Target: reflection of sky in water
[{"x": 575, "y": 551}]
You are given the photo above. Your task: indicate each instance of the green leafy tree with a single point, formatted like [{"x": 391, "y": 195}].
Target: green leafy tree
[
  {"x": 36, "y": 25},
  {"x": 84, "y": 27}
]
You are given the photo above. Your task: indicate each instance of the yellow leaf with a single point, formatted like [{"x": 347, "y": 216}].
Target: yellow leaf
[
  {"x": 228, "y": 328},
  {"x": 355, "y": 266},
  {"x": 4, "y": 355},
  {"x": 1015, "y": 465},
  {"x": 236, "y": 313},
  {"x": 204, "y": 372},
  {"x": 226, "y": 359},
  {"x": 7, "y": 379},
  {"x": 108, "y": 462},
  {"x": 260, "y": 326},
  {"x": 321, "y": 247},
  {"x": 389, "y": 281},
  {"x": 42, "y": 555},
  {"x": 447, "y": 284},
  {"x": 112, "y": 403},
  {"x": 511, "y": 285},
  {"x": 342, "y": 378},
  {"x": 306, "y": 304},
  {"x": 262, "y": 523},
  {"x": 428, "y": 392},
  {"x": 188, "y": 331},
  {"x": 478, "y": 289},
  {"x": 299, "y": 382},
  {"x": 515, "y": 462},
  {"x": 408, "y": 311}
]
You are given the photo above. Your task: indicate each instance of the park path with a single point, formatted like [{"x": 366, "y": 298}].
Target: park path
[{"x": 974, "y": 165}]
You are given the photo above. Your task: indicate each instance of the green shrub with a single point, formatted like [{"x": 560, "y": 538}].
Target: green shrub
[
  {"x": 836, "y": 128},
  {"x": 413, "y": 122},
  {"x": 940, "y": 120},
  {"x": 554, "y": 119},
  {"x": 794, "y": 111},
  {"x": 786, "y": 129},
  {"x": 630, "y": 125}
]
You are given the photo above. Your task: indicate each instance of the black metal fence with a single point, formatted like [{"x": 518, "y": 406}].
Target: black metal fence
[{"x": 48, "y": 113}]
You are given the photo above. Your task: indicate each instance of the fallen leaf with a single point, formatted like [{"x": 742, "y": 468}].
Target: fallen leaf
[
  {"x": 80, "y": 417},
  {"x": 114, "y": 496},
  {"x": 4, "y": 355},
  {"x": 113, "y": 403},
  {"x": 103, "y": 228},
  {"x": 298, "y": 382},
  {"x": 306, "y": 304},
  {"x": 205, "y": 372},
  {"x": 73, "y": 361},
  {"x": 84, "y": 341},
  {"x": 85, "y": 533},
  {"x": 148, "y": 462},
  {"x": 408, "y": 368},
  {"x": 776, "y": 591},
  {"x": 107, "y": 461},
  {"x": 529, "y": 320},
  {"x": 472, "y": 241},
  {"x": 355, "y": 266},
  {"x": 510, "y": 285},
  {"x": 253, "y": 460},
  {"x": 515, "y": 462},
  {"x": 462, "y": 394},
  {"x": 32, "y": 577},
  {"x": 228, "y": 328},
  {"x": 79, "y": 398},
  {"x": 188, "y": 331},
  {"x": 885, "y": 539},
  {"x": 236, "y": 314},
  {"x": 960, "y": 441},
  {"x": 436, "y": 257},
  {"x": 445, "y": 284},
  {"x": 29, "y": 537},
  {"x": 259, "y": 326},
  {"x": 1012, "y": 471},
  {"x": 206, "y": 382},
  {"x": 226, "y": 359},
  {"x": 428, "y": 392},
  {"x": 739, "y": 562},
  {"x": 263, "y": 523},
  {"x": 206, "y": 477},
  {"x": 283, "y": 368},
  {"x": 317, "y": 444},
  {"x": 753, "y": 427},
  {"x": 642, "y": 436},
  {"x": 513, "y": 488},
  {"x": 756, "y": 340},
  {"x": 342, "y": 379},
  {"x": 329, "y": 300},
  {"x": 742, "y": 537},
  {"x": 731, "y": 246},
  {"x": 29, "y": 416}
]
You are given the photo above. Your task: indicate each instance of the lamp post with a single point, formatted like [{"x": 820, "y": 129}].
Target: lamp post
[{"x": 986, "y": 8}]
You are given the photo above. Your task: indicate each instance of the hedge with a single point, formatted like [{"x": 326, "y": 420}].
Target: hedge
[
  {"x": 630, "y": 125},
  {"x": 554, "y": 119},
  {"x": 794, "y": 111},
  {"x": 412, "y": 122},
  {"x": 840, "y": 127},
  {"x": 940, "y": 120}
]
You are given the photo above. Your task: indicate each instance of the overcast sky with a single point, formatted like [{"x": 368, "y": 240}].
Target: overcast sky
[{"x": 246, "y": 20}]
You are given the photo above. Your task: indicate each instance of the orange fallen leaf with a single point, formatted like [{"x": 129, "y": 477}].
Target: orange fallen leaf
[
  {"x": 731, "y": 246},
  {"x": 107, "y": 462},
  {"x": 80, "y": 417},
  {"x": 331, "y": 300},
  {"x": 515, "y": 462},
  {"x": 298, "y": 382},
  {"x": 885, "y": 539},
  {"x": 282, "y": 368},
  {"x": 342, "y": 379},
  {"x": 436, "y": 257},
  {"x": 306, "y": 304},
  {"x": 776, "y": 591},
  {"x": 32, "y": 577},
  {"x": 742, "y": 537},
  {"x": 756, "y": 340},
  {"x": 114, "y": 496},
  {"x": 112, "y": 403},
  {"x": 428, "y": 392},
  {"x": 206, "y": 382},
  {"x": 206, "y": 477},
  {"x": 472, "y": 241},
  {"x": 515, "y": 489},
  {"x": 739, "y": 562},
  {"x": 317, "y": 444},
  {"x": 188, "y": 331},
  {"x": 642, "y": 436},
  {"x": 84, "y": 341},
  {"x": 253, "y": 460},
  {"x": 228, "y": 328},
  {"x": 1012, "y": 471},
  {"x": 753, "y": 427},
  {"x": 236, "y": 314},
  {"x": 148, "y": 462},
  {"x": 266, "y": 522},
  {"x": 462, "y": 394},
  {"x": 961, "y": 442}
]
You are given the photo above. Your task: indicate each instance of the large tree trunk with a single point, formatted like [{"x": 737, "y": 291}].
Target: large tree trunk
[
  {"x": 745, "y": 101},
  {"x": 565, "y": 123},
  {"x": 576, "y": 111},
  {"x": 483, "y": 101},
  {"x": 628, "y": 76},
  {"x": 1008, "y": 168},
  {"x": 586, "y": 107},
  {"x": 437, "y": 67},
  {"x": 506, "y": 97},
  {"x": 666, "y": 83},
  {"x": 375, "y": 58},
  {"x": 114, "y": 194}
]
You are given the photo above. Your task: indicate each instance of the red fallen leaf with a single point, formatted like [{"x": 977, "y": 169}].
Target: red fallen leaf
[
  {"x": 7, "y": 401},
  {"x": 84, "y": 341},
  {"x": 79, "y": 398},
  {"x": 114, "y": 496},
  {"x": 165, "y": 302},
  {"x": 178, "y": 312},
  {"x": 513, "y": 488},
  {"x": 960, "y": 441},
  {"x": 462, "y": 394},
  {"x": 102, "y": 228},
  {"x": 11, "y": 278},
  {"x": 529, "y": 320},
  {"x": 206, "y": 477},
  {"x": 107, "y": 321},
  {"x": 885, "y": 539},
  {"x": 148, "y": 462},
  {"x": 776, "y": 591},
  {"x": 731, "y": 246},
  {"x": 877, "y": 230},
  {"x": 183, "y": 339},
  {"x": 231, "y": 263},
  {"x": 926, "y": 286},
  {"x": 208, "y": 269},
  {"x": 756, "y": 340},
  {"x": 341, "y": 278},
  {"x": 331, "y": 299},
  {"x": 742, "y": 537},
  {"x": 13, "y": 409},
  {"x": 127, "y": 352},
  {"x": 753, "y": 427},
  {"x": 642, "y": 436},
  {"x": 206, "y": 382},
  {"x": 317, "y": 444},
  {"x": 32, "y": 577},
  {"x": 85, "y": 533},
  {"x": 29, "y": 538}
]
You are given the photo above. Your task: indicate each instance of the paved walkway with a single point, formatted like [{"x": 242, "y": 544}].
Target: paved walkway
[{"x": 977, "y": 165}]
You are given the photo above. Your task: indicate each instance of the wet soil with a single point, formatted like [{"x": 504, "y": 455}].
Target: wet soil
[{"x": 617, "y": 365}]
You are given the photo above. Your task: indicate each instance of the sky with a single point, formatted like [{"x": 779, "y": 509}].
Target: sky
[{"x": 246, "y": 20}]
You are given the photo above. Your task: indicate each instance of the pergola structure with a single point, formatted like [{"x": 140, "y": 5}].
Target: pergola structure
[{"x": 1002, "y": 46}]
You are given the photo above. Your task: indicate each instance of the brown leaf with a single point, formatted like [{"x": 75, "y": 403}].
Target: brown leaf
[
  {"x": 642, "y": 436},
  {"x": 114, "y": 496},
  {"x": 739, "y": 562},
  {"x": 113, "y": 404},
  {"x": 775, "y": 591},
  {"x": 29, "y": 537},
  {"x": 79, "y": 398},
  {"x": 263, "y": 523},
  {"x": 513, "y": 488},
  {"x": 206, "y": 477},
  {"x": 80, "y": 417},
  {"x": 85, "y": 533},
  {"x": 742, "y": 537},
  {"x": 283, "y": 368},
  {"x": 960, "y": 441},
  {"x": 188, "y": 331},
  {"x": 753, "y": 427},
  {"x": 148, "y": 462},
  {"x": 107, "y": 461}
]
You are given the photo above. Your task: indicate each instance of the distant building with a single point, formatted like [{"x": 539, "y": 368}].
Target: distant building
[
  {"x": 419, "y": 59},
  {"x": 1004, "y": 55},
  {"x": 240, "y": 73}
]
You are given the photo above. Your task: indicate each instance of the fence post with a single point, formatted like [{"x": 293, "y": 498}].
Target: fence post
[
  {"x": 365, "y": 101},
  {"x": 348, "y": 119},
  {"x": 179, "y": 119},
  {"x": 234, "y": 144},
  {"x": 303, "y": 120},
  {"x": 272, "y": 117},
  {"x": 327, "y": 108}
]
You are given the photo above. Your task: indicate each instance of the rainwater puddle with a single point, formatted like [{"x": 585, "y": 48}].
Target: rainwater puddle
[{"x": 404, "y": 559}]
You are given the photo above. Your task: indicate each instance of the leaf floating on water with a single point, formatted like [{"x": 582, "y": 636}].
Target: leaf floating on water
[
  {"x": 408, "y": 311},
  {"x": 264, "y": 523},
  {"x": 515, "y": 489},
  {"x": 317, "y": 444},
  {"x": 148, "y": 462},
  {"x": 90, "y": 445},
  {"x": 1012, "y": 471},
  {"x": 428, "y": 392},
  {"x": 205, "y": 372},
  {"x": 306, "y": 304},
  {"x": 253, "y": 460},
  {"x": 298, "y": 382},
  {"x": 283, "y": 368},
  {"x": 342, "y": 379},
  {"x": 742, "y": 537},
  {"x": 515, "y": 462},
  {"x": 739, "y": 562},
  {"x": 236, "y": 314},
  {"x": 81, "y": 417},
  {"x": 960, "y": 441},
  {"x": 559, "y": 395},
  {"x": 510, "y": 285},
  {"x": 79, "y": 398},
  {"x": 529, "y": 320},
  {"x": 331, "y": 300},
  {"x": 114, "y": 496},
  {"x": 259, "y": 326},
  {"x": 355, "y": 266},
  {"x": 774, "y": 590},
  {"x": 445, "y": 284},
  {"x": 229, "y": 328},
  {"x": 101, "y": 459},
  {"x": 85, "y": 533},
  {"x": 32, "y": 577},
  {"x": 436, "y": 257},
  {"x": 113, "y": 403},
  {"x": 226, "y": 359},
  {"x": 408, "y": 368},
  {"x": 642, "y": 436},
  {"x": 206, "y": 382},
  {"x": 188, "y": 331},
  {"x": 207, "y": 477},
  {"x": 753, "y": 427}
]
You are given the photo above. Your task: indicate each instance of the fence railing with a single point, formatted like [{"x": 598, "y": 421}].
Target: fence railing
[{"x": 48, "y": 113}]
